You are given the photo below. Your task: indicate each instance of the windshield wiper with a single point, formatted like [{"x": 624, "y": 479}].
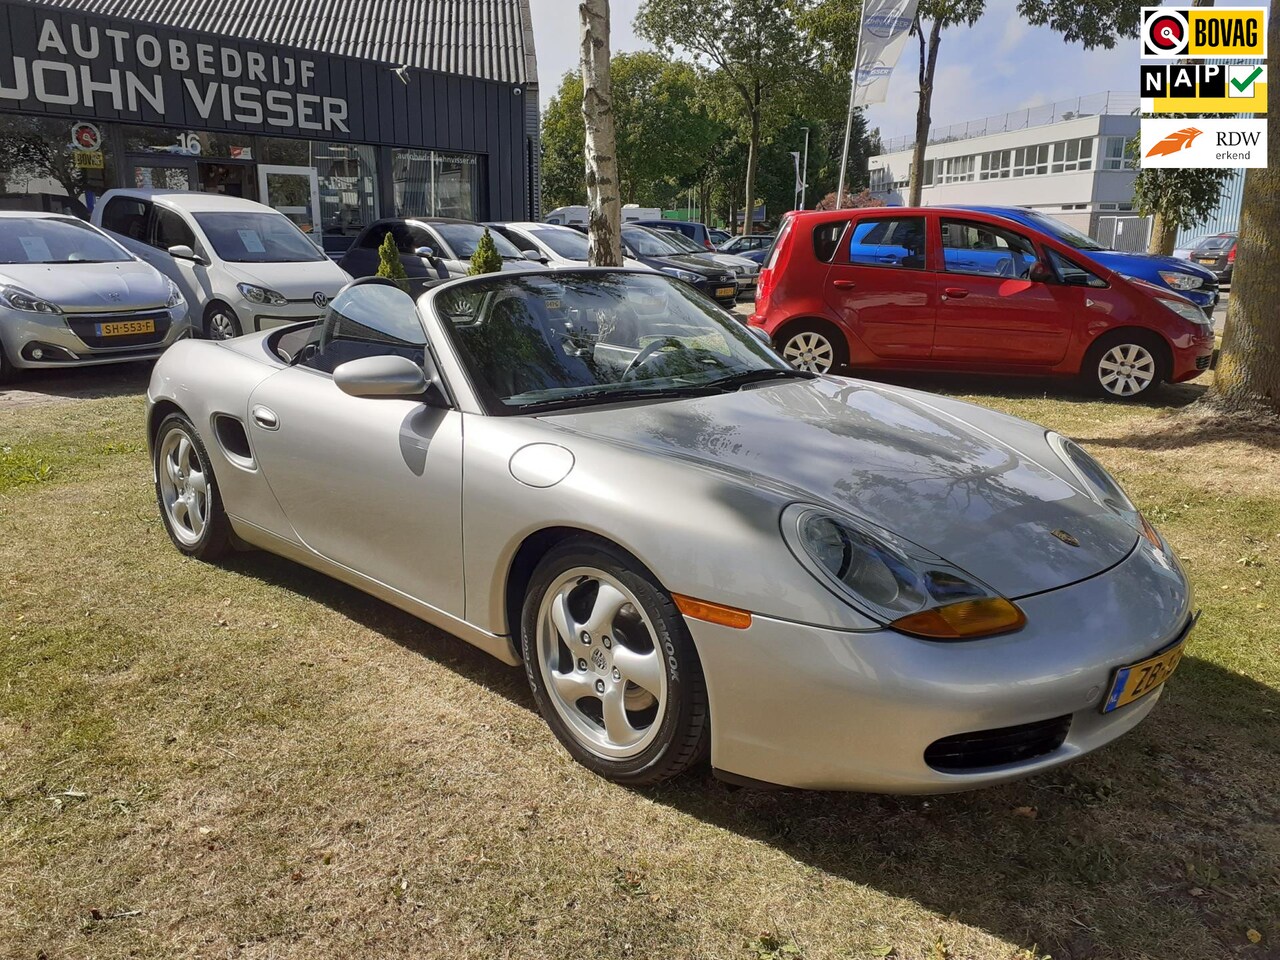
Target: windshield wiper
[
  {"x": 737, "y": 380},
  {"x": 620, "y": 396}
]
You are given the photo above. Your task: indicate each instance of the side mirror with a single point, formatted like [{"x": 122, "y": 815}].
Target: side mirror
[
  {"x": 1040, "y": 272},
  {"x": 385, "y": 376},
  {"x": 425, "y": 252},
  {"x": 183, "y": 252},
  {"x": 534, "y": 255},
  {"x": 759, "y": 334}
]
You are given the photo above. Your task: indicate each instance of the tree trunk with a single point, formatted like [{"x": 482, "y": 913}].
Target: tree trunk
[
  {"x": 604, "y": 210},
  {"x": 1248, "y": 373},
  {"x": 1164, "y": 236},
  {"x": 753, "y": 156},
  {"x": 928, "y": 64}
]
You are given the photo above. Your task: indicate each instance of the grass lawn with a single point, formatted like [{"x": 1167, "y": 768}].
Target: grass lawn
[{"x": 255, "y": 761}]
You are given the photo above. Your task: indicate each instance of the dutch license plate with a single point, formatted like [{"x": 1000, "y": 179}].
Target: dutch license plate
[
  {"x": 1138, "y": 679},
  {"x": 726, "y": 291},
  {"x": 124, "y": 328},
  {"x": 1207, "y": 260}
]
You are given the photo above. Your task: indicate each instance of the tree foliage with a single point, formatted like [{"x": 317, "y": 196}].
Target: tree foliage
[
  {"x": 390, "y": 265},
  {"x": 486, "y": 258},
  {"x": 1176, "y": 197}
]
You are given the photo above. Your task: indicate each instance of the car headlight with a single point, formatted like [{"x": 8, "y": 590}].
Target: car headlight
[
  {"x": 255, "y": 294},
  {"x": 1101, "y": 486},
  {"x": 1188, "y": 311},
  {"x": 684, "y": 275},
  {"x": 893, "y": 581},
  {"x": 1178, "y": 280},
  {"x": 19, "y": 299},
  {"x": 175, "y": 296}
]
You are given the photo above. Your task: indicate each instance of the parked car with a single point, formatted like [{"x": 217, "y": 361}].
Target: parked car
[
  {"x": 941, "y": 288},
  {"x": 746, "y": 272},
  {"x": 697, "y": 232},
  {"x": 657, "y": 250},
  {"x": 71, "y": 296},
  {"x": 577, "y": 215},
  {"x": 432, "y": 249},
  {"x": 1218, "y": 253},
  {"x": 718, "y": 236},
  {"x": 814, "y": 582},
  {"x": 556, "y": 247},
  {"x": 1196, "y": 283},
  {"x": 741, "y": 245},
  {"x": 241, "y": 265}
]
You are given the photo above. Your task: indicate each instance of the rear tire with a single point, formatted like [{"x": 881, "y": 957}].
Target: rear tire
[
  {"x": 612, "y": 666},
  {"x": 813, "y": 346},
  {"x": 1125, "y": 365},
  {"x": 187, "y": 491},
  {"x": 7, "y": 371},
  {"x": 221, "y": 322}
]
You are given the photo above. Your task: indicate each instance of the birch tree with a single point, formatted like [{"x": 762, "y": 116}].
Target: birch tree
[{"x": 604, "y": 208}]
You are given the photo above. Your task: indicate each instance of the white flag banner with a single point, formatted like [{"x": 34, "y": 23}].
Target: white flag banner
[
  {"x": 885, "y": 27},
  {"x": 795, "y": 156}
]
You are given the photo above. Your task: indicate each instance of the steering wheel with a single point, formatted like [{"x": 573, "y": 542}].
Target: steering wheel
[
  {"x": 1004, "y": 267},
  {"x": 647, "y": 353}
]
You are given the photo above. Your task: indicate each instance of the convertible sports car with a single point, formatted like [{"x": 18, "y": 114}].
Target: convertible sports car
[{"x": 692, "y": 548}]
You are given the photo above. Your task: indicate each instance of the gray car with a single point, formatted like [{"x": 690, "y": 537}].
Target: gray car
[
  {"x": 692, "y": 549},
  {"x": 71, "y": 296}
]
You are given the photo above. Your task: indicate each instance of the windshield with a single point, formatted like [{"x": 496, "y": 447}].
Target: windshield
[
  {"x": 679, "y": 240},
  {"x": 570, "y": 339},
  {"x": 56, "y": 240},
  {"x": 1215, "y": 243},
  {"x": 248, "y": 237},
  {"x": 647, "y": 243},
  {"x": 1064, "y": 232},
  {"x": 567, "y": 243},
  {"x": 463, "y": 238}
]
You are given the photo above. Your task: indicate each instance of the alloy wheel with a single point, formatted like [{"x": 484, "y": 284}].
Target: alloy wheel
[
  {"x": 810, "y": 351},
  {"x": 184, "y": 486},
  {"x": 222, "y": 326},
  {"x": 1127, "y": 369},
  {"x": 601, "y": 664}
]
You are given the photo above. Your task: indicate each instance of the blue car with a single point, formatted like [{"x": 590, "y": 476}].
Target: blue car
[{"x": 1198, "y": 284}]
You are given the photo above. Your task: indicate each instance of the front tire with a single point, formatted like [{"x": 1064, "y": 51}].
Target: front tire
[
  {"x": 187, "y": 492},
  {"x": 1125, "y": 365},
  {"x": 7, "y": 370},
  {"x": 612, "y": 666},
  {"x": 221, "y": 322},
  {"x": 814, "y": 347}
]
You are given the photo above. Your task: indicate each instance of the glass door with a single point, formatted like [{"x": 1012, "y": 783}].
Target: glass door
[
  {"x": 295, "y": 192},
  {"x": 161, "y": 173}
]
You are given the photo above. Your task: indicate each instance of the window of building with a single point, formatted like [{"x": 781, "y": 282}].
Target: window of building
[
  {"x": 1031, "y": 161},
  {"x": 996, "y": 165},
  {"x": 177, "y": 142},
  {"x": 1115, "y": 156},
  {"x": 955, "y": 169},
  {"x": 43, "y": 172},
  {"x": 1072, "y": 155},
  {"x": 432, "y": 184},
  {"x": 347, "y": 175},
  {"x": 881, "y": 179}
]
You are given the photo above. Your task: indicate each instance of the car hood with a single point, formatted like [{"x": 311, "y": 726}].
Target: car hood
[
  {"x": 295, "y": 281},
  {"x": 896, "y": 460},
  {"x": 91, "y": 287},
  {"x": 1127, "y": 263},
  {"x": 693, "y": 262}
]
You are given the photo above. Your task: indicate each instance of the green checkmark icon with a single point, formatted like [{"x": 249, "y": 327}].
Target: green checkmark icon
[{"x": 1240, "y": 85}]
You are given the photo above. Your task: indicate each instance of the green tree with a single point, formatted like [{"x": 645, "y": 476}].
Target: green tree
[
  {"x": 389, "y": 263},
  {"x": 486, "y": 258},
  {"x": 758, "y": 53},
  {"x": 1175, "y": 198},
  {"x": 564, "y": 181}
]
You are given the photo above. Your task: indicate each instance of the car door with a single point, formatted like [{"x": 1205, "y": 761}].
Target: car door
[
  {"x": 880, "y": 285},
  {"x": 989, "y": 310},
  {"x": 371, "y": 483},
  {"x": 168, "y": 228}
]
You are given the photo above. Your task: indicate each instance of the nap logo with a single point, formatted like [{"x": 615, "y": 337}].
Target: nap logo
[
  {"x": 1173, "y": 32},
  {"x": 1203, "y": 88},
  {"x": 1224, "y": 143}
]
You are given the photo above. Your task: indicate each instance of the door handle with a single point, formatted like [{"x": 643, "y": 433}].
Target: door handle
[
  {"x": 954, "y": 293},
  {"x": 265, "y": 418},
  {"x": 844, "y": 284}
]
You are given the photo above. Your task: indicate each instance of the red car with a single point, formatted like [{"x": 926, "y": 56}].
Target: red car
[{"x": 936, "y": 289}]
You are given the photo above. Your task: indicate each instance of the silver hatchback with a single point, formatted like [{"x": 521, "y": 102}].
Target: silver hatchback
[{"x": 72, "y": 296}]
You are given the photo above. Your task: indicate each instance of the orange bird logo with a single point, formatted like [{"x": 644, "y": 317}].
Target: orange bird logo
[{"x": 1175, "y": 142}]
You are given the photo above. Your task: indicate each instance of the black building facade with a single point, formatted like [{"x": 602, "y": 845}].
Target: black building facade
[{"x": 333, "y": 113}]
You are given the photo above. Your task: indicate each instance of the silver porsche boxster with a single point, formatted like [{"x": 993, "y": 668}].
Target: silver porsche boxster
[{"x": 694, "y": 550}]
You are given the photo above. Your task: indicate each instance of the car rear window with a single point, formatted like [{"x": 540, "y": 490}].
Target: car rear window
[{"x": 826, "y": 239}]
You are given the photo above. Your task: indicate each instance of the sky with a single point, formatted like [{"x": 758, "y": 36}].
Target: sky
[{"x": 998, "y": 65}]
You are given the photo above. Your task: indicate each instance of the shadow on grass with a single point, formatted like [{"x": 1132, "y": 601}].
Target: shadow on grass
[
  {"x": 76, "y": 383},
  {"x": 1170, "y": 396},
  {"x": 1147, "y": 848}
]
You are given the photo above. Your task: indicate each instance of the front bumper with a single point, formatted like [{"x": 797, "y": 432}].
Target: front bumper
[
  {"x": 66, "y": 340},
  {"x": 255, "y": 317},
  {"x": 1192, "y": 358},
  {"x": 817, "y": 708}
]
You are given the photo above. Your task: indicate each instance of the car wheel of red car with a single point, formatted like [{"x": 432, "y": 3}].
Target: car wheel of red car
[
  {"x": 813, "y": 347},
  {"x": 1125, "y": 365}
]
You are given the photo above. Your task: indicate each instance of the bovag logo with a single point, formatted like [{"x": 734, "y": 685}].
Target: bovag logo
[{"x": 1170, "y": 32}]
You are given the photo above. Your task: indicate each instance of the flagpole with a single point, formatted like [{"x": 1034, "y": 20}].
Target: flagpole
[
  {"x": 804, "y": 175},
  {"x": 848, "y": 120}
]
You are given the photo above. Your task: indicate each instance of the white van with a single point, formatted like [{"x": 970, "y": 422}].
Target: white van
[
  {"x": 242, "y": 266},
  {"x": 569, "y": 216}
]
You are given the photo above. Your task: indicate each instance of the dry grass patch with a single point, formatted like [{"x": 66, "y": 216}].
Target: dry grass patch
[{"x": 254, "y": 761}]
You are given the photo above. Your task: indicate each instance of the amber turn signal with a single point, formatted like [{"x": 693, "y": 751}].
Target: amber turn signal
[
  {"x": 965, "y": 620},
  {"x": 1149, "y": 532},
  {"x": 712, "y": 612}
]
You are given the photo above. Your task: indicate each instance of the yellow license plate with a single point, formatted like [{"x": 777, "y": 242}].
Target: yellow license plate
[
  {"x": 1138, "y": 679},
  {"x": 124, "y": 328},
  {"x": 1203, "y": 260},
  {"x": 726, "y": 291}
]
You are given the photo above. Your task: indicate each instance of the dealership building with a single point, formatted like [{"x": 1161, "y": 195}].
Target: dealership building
[{"x": 334, "y": 113}]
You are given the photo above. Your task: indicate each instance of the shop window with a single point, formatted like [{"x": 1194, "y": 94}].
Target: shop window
[
  {"x": 177, "y": 142},
  {"x": 432, "y": 184},
  {"x": 347, "y": 177},
  {"x": 43, "y": 171}
]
